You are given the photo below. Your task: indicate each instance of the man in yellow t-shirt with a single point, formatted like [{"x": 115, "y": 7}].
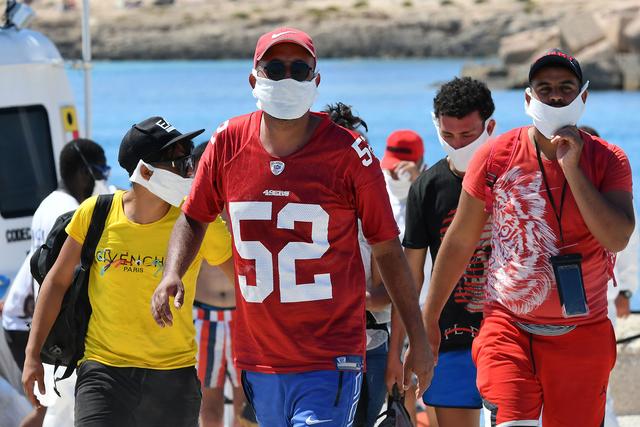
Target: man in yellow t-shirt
[{"x": 133, "y": 373}]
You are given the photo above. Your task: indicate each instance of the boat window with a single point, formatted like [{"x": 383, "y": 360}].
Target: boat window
[{"x": 27, "y": 166}]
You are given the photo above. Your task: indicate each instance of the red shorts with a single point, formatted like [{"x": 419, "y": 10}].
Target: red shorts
[{"x": 520, "y": 372}]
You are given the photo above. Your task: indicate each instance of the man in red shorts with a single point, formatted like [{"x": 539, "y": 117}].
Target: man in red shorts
[
  {"x": 295, "y": 185},
  {"x": 561, "y": 206}
]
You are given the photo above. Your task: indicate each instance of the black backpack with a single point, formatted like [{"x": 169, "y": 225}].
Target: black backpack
[{"x": 64, "y": 345}]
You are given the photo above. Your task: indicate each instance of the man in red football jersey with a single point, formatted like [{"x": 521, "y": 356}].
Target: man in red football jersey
[{"x": 294, "y": 185}]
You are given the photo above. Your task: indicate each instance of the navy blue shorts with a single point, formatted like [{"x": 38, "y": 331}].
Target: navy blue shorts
[{"x": 454, "y": 382}]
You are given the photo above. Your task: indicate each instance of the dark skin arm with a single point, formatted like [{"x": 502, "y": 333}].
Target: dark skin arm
[
  {"x": 399, "y": 283},
  {"x": 184, "y": 244},
  {"x": 377, "y": 295},
  {"x": 393, "y": 374},
  {"x": 47, "y": 308}
]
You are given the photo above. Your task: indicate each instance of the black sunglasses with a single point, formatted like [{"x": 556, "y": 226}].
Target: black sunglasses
[
  {"x": 277, "y": 70},
  {"x": 184, "y": 165},
  {"x": 97, "y": 171}
]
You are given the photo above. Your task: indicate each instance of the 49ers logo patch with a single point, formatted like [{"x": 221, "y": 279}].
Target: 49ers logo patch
[{"x": 276, "y": 167}]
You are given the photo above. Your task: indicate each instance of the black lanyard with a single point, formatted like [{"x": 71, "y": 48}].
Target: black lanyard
[{"x": 557, "y": 214}]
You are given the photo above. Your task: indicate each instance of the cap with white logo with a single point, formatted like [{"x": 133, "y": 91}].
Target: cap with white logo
[
  {"x": 145, "y": 141},
  {"x": 282, "y": 35}
]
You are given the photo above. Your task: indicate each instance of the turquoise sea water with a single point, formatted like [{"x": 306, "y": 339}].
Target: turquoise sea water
[{"x": 387, "y": 94}]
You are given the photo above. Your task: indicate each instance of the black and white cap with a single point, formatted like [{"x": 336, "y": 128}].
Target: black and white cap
[{"x": 145, "y": 140}]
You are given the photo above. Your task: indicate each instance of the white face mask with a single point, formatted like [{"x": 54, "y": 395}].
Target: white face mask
[
  {"x": 170, "y": 187},
  {"x": 399, "y": 188},
  {"x": 285, "y": 99},
  {"x": 100, "y": 186},
  {"x": 461, "y": 157},
  {"x": 548, "y": 119}
]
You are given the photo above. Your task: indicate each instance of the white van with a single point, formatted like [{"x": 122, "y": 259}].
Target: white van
[{"x": 37, "y": 117}]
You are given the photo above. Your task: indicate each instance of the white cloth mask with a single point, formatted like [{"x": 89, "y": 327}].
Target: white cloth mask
[
  {"x": 100, "y": 186},
  {"x": 399, "y": 188},
  {"x": 461, "y": 157},
  {"x": 285, "y": 99},
  {"x": 169, "y": 186},
  {"x": 548, "y": 119}
]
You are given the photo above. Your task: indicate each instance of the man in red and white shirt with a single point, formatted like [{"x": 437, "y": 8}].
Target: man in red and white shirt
[
  {"x": 294, "y": 185},
  {"x": 552, "y": 191}
]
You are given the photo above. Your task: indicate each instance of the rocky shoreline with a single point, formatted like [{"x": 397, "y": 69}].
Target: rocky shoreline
[
  {"x": 512, "y": 30},
  {"x": 606, "y": 42}
]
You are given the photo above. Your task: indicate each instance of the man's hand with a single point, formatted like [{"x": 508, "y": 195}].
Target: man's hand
[
  {"x": 623, "y": 308},
  {"x": 393, "y": 373},
  {"x": 569, "y": 143},
  {"x": 433, "y": 335},
  {"x": 407, "y": 167},
  {"x": 169, "y": 286},
  {"x": 32, "y": 372},
  {"x": 418, "y": 361}
]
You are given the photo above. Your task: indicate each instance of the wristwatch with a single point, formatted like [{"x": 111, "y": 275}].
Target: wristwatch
[{"x": 626, "y": 294}]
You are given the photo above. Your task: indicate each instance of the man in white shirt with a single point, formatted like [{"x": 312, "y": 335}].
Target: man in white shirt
[
  {"x": 83, "y": 172},
  {"x": 401, "y": 164}
]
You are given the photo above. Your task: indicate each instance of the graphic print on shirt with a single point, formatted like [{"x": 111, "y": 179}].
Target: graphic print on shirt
[
  {"x": 129, "y": 262},
  {"x": 520, "y": 275},
  {"x": 470, "y": 289}
]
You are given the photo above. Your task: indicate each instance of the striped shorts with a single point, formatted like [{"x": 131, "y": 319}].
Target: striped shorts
[{"x": 214, "y": 326}]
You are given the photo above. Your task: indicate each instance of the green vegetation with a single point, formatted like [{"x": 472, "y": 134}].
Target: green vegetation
[
  {"x": 360, "y": 4},
  {"x": 188, "y": 19},
  {"x": 240, "y": 15},
  {"x": 407, "y": 3},
  {"x": 323, "y": 13},
  {"x": 529, "y": 5},
  {"x": 446, "y": 2}
]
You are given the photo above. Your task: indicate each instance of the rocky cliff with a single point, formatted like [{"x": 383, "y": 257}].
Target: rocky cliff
[{"x": 603, "y": 33}]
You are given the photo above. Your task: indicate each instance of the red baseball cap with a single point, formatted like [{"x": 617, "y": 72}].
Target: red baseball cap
[
  {"x": 402, "y": 145},
  {"x": 282, "y": 35}
]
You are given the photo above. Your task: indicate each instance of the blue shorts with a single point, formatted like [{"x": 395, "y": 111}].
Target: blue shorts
[
  {"x": 326, "y": 398},
  {"x": 454, "y": 382}
]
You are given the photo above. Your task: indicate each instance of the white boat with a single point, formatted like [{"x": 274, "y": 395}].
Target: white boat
[{"x": 37, "y": 116}]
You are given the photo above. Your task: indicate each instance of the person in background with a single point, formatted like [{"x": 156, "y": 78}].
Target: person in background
[
  {"x": 462, "y": 116},
  {"x": 378, "y": 303},
  {"x": 132, "y": 372},
  {"x": 213, "y": 314},
  {"x": 83, "y": 172},
  {"x": 619, "y": 295},
  {"x": 294, "y": 184},
  {"x": 561, "y": 205},
  {"x": 401, "y": 164}
]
